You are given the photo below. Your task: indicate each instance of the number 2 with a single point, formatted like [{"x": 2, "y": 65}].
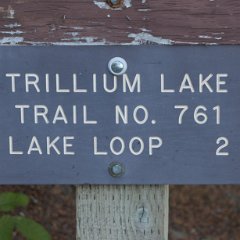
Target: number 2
[{"x": 223, "y": 142}]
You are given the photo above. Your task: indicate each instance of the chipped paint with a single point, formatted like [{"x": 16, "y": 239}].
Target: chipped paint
[
  {"x": 144, "y": 37},
  {"x": 93, "y": 41},
  {"x": 218, "y": 33},
  {"x": 73, "y": 34},
  {"x": 12, "y": 25},
  {"x": 209, "y": 37},
  {"x": 17, "y": 32},
  {"x": 10, "y": 12},
  {"x": 127, "y": 3},
  {"x": 145, "y": 30},
  {"x": 77, "y": 28},
  {"x": 187, "y": 43},
  {"x": 204, "y": 36},
  {"x": 75, "y": 39},
  {"x": 83, "y": 41},
  {"x": 11, "y": 40},
  {"x": 103, "y": 5},
  {"x": 144, "y": 10},
  {"x": 194, "y": 43},
  {"x": 71, "y": 27},
  {"x": 7, "y": 13}
]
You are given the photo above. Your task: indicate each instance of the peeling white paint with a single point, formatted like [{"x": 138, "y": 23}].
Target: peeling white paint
[
  {"x": 73, "y": 34},
  {"x": 145, "y": 30},
  {"x": 127, "y": 3},
  {"x": 104, "y": 42},
  {"x": 71, "y": 27},
  {"x": 11, "y": 40},
  {"x": 211, "y": 44},
  {"x": 209, "y": 37},
  {"x": 143, "y": 37},
  {"x": 144, "y": 10},
  {"x": 204, "y": 36},
  {"x": 83, "y": 41},
  {"x": 187, "y": 43},
  {"x": 218, "y": 33},
  {"x": 93, "y": 40},
  {"x": 77, "y": 28},
  {"x": 103, "y": 5},
  {"x": 193, "y": 43},
  {"x": 10, "y": 12},
  {"x": 12, "y": 25},
  {"x": 71, "y": 39},
  {"x": 17, "y": 32}
]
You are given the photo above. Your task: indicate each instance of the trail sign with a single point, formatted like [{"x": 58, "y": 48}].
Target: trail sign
[{"x": 172, "y": 116}]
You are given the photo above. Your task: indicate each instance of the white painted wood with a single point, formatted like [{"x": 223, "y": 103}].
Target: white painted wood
[{"x": 122, "y": 212}]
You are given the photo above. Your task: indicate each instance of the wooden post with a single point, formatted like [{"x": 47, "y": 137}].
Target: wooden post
[{"x": 122, "y": 212}]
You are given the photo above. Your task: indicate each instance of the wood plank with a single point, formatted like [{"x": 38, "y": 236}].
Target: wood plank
[
  {"x": 122, "y": 212},
  {"x": 93, "y": 22}
]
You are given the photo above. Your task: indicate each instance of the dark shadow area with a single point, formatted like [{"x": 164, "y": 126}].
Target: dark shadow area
[
  {"x": 205, "y": 212},
  {"x": 52, "y": 206}
]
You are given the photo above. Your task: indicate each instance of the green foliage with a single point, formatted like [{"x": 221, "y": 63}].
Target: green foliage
[
  {"x": 29, "y": 229},
  {"x": 6, "y": 227},
  {"x": 9, "y": 201}
]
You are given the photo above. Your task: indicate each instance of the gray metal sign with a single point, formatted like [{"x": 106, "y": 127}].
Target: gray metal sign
[{"x": 153, "y": 115}]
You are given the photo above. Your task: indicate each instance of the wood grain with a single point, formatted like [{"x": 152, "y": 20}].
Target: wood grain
[
  {"x": 139, "y": 21},
  {"x": 122, "y": 212}
]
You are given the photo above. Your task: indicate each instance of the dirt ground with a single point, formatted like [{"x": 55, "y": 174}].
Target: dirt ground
[{"x": 196, "y": 212}]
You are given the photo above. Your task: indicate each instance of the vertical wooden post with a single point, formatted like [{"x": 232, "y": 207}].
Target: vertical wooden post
[{"x": 122, "y": 212}]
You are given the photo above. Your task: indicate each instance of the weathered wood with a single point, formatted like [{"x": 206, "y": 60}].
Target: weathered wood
[
  {"x": 122, "y": 212},
  {"x": 142, "y": 21}
]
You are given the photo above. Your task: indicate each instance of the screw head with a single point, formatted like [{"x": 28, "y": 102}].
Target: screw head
[
  {"x": 117, "y": 66},
  {"x": 116, "y": 169},
  {"x": 115, "y": 3}
]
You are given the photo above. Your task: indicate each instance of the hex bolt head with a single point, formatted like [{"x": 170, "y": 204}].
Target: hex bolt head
[
  {"x": 117, "y": 66},
  {"x": 116, "y": 169}
]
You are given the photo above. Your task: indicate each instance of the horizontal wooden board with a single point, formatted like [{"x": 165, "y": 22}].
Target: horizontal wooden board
[
  {"x": 94, "y": 22},
  {"x": 178, "y": 120}
]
